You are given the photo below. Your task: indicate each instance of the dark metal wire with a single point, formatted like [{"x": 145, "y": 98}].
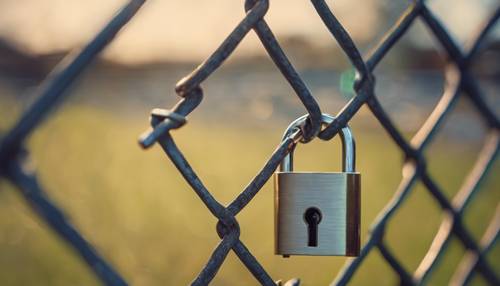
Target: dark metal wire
[
  {"x": 459, "y": 82},
  {"x": 12, "y": 155}
]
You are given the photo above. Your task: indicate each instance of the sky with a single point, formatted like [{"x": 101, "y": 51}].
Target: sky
[{"x": 192, "y": 29}]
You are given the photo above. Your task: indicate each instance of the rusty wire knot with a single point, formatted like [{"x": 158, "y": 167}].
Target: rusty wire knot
[
  {"x": 225, "y": 227},
  {"x": 159, "y": 115}
]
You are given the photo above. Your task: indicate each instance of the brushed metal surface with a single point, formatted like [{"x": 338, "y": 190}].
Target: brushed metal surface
[{"x": 336, "y": 195}]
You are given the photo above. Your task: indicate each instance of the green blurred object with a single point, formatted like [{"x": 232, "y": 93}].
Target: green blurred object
[{"x": 347, "y": 79}]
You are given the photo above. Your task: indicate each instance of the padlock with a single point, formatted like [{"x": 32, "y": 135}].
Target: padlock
[{"x": 317, "y": 213}]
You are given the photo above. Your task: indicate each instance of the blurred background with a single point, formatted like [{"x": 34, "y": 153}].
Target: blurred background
[{"x": 134, "y": 206}]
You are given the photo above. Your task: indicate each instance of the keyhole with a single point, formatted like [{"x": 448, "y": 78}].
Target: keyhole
[{"x": 312, "y": 217}]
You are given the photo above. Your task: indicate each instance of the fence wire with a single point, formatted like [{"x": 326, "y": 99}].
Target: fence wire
[{"x": 459, "y": 82}]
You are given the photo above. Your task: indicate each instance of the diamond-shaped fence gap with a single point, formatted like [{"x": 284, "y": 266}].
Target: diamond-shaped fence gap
[
  {"x": 417, "y": 48},
  {"x": 461, "y": 31},
  {"x": 306, "y": 159},
  {"x": 459, "y": 140},
  {"x": 305, "y": 49},
  {"x": 378, "y": 164},
  {"x": 447, "y": 263},
  {"x": 409, "y": 89},
  {"x": 410, "y": 232},
  {"x": 253, "y": 88},
  {"x": 26, "y": 241},
  {"x": 223, "y": 166},
  {"x": 376, "y": 270},
  {"x": 254, "y": 93}
]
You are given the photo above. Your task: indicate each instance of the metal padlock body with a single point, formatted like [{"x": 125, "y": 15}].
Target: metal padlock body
[{"x": 335, "y": 195}]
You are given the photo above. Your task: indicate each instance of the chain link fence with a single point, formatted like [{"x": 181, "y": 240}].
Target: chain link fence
[{"x": 459, "y": 83}]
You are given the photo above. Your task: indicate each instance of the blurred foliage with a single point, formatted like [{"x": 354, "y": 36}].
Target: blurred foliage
[{"x": 136, "y": 209}]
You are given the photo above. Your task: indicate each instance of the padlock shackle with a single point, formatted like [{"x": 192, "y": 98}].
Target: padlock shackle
[{"x": 348, "y": 144}]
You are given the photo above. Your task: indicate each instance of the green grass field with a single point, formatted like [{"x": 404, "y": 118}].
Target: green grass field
[{"x": 136, "y": 209}]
